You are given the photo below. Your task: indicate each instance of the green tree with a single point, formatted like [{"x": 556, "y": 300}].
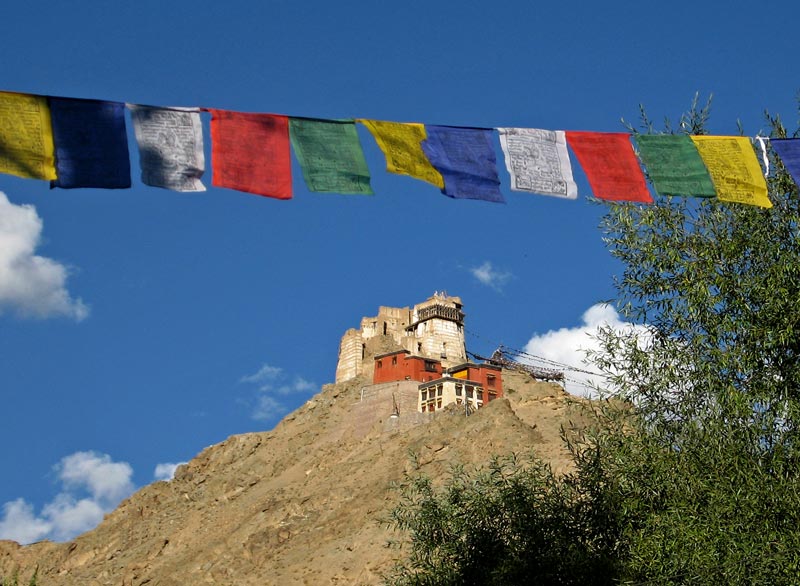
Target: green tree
[
  {"x": 709, "y": 475},
  {"x": 507, "y": 524},
  {"x": 693, "y": 477}
]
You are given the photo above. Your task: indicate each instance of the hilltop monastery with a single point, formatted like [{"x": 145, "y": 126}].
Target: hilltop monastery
[{"x": 419, "y": 354}]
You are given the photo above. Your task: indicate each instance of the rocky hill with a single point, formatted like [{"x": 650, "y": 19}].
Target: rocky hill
[{"x": 301, "y": 504}]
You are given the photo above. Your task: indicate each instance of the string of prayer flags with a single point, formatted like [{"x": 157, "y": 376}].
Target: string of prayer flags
[
  {"x": 611, "y": 166},
  {"x": 91, "y": 144},
  {"x": 330, "y": 155},
  {"x": 734, "y": 169},
  {"x": 26, "y": 137},
  {"x": 83, "y": 143},
  {"x": 538, "y": 161},
  {"x": 401, "y": 145},
  {"x": 788, "y": 150},
  {"x": 251, "y": 153},
  {"x": 674, "y": 165},
  {"x": 170, "y": 142},
  {"x": 465, "y": 158}
]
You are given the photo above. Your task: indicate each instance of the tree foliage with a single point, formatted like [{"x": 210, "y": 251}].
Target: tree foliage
[
  {"x": 693, "y": 478},
  {"x": 710, "y": 473},
  {"x": 508, "y": 524}
]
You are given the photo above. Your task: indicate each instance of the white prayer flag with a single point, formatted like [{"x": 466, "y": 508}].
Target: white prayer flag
[
  {"x": 537, "y": 161},
  {"x": 170, "y": 146}
]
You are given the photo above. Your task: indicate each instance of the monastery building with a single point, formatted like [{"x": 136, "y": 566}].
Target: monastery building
[{"x": 422, "y": 347}]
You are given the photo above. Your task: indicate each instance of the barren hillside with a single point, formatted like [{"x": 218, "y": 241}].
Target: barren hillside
[{"x": 301, "y": 504}]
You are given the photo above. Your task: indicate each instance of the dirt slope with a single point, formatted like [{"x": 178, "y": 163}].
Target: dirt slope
[{"x": 298, "y": 505}]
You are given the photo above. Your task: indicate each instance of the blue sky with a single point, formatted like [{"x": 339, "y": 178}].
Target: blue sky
[{"x": 159, "y": 323}]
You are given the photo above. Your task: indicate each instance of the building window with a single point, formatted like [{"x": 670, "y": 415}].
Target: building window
[
  {"x": 380, "y": 364},
  {"x": 490, "y": 379},
  {"x": 430, "y": 398},
  {"x": 430, "y": 366},
  {"x": 394, "y": 360},
  {"x": 491, "y": 396},
  {"x": 459, "y": 390}
]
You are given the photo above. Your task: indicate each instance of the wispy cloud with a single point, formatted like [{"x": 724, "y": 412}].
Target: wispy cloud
[
  {"x": 274, "y": 389},
  {"x": 488, "y": 275},
  {"x": 268, "y": 407},
  {"x": 92, "y": 485},
  {"x": 569, "y": 346},
  {"x": 31, "y": 285},
  {"x": 265, "y": 374}
]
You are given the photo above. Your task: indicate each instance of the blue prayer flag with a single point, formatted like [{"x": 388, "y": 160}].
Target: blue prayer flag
[
  {"x": 91, "y": 144},
  {"x": 465, "y": 158},
  {"x": 788, "y": 150}
]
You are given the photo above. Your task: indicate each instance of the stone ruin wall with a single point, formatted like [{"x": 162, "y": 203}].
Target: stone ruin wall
[
  {"x": 373, "y": 412},
  {"x": 359, "y": 347}
]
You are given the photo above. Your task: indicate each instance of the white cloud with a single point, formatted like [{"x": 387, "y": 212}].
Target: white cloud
[
  {"x": 92, "y": 485},
  {"x": 19, "y": 523},
  {"x": 31, "y": 285},
  {"x": 569, "y": 345},
  {"x": 105, "y": 480},
  {"x": 166, "y": 470},
  {"x": 490, "y": 276},
  {"x": 69, "y": 516},
  {"x": 274, "y": 391}
]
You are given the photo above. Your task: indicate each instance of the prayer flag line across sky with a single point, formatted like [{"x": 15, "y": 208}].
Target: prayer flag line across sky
[{"x": 77, "y": 143}]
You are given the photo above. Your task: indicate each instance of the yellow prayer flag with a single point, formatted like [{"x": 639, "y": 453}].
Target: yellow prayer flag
[
  {"x": 734, "y": 169},
  {"x": 26, "y": 137},
  {"x": 400, "y": 143}
]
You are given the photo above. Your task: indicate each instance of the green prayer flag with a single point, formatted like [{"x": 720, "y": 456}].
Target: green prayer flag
[
  {"x": 674, "y": 165},
  {"x": 330, "y": 155}
]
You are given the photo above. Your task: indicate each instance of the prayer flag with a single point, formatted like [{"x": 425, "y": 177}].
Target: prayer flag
[
  {"x": 788, "y": 150},
  {"x": 330, "y": 155},
  {"x": 400, "y": 143},
  {"x": 26, "y": 137},
  {"x": 250, "y": 152},
  {"x": 91, "y": 144},
  {"x": 537, "y": 161},
  {"x": 610, "y": 165},
  {"x": 734, "y": 169},
  {"x": 170, "y": 144},
  {"x": 466, "y": 160},
  {"x": 674, "y": 165}
]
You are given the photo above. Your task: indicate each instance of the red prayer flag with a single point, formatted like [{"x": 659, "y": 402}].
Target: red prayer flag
[
  {"x": 610, "y": 165},
  {"x": 250, "y": 152}
]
